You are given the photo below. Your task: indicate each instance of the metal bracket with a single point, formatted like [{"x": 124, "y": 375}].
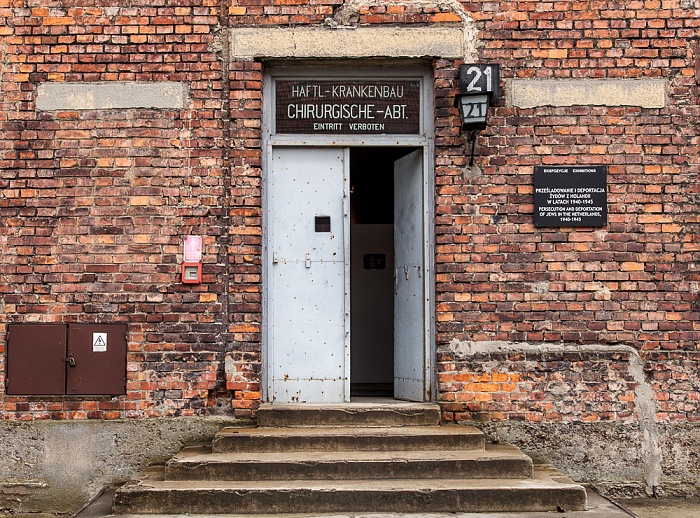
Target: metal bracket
[{"x": 472, "y": 139}]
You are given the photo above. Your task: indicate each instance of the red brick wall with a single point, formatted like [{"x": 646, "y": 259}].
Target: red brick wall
[
  {"x": 633, "y": 282},
  {"x": 96, "y": 204},
  {"x": 550, "y": 384}
]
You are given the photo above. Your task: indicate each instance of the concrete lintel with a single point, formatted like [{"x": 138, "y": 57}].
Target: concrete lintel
[
  {"x": 468, "y": 348},
  {"x": 345, "y": 43},
  {"x": 111, "y": 95},
  {"x": 532, "y": 93}
]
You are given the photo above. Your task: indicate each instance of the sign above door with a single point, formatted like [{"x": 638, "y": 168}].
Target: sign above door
[{"x": 347, "y": 107}]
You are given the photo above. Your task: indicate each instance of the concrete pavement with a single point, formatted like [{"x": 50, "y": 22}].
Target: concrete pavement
[
  {"x": 663, "y": 507},
  {"x": 598, "y": 507}
]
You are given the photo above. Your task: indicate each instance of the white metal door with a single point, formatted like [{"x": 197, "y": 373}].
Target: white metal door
[
  {"x": 409, "y": 301},
  {"x": 308, "y": 298}
]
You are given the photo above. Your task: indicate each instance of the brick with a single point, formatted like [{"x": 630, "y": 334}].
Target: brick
[
  {"x": 57, "y": 20},
  {"x": 445, "y": 17}
]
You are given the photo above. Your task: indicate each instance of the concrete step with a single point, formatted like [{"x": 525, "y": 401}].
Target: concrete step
[
  {"x": 497, "y": 461},
  {"x": 366, "y": 412},
  {"x": 150, "y": 494},
  {"x": 233, "y": 439}
]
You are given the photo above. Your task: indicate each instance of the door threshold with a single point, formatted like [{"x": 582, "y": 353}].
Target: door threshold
[
  {"x": 358, "y": 402},
  {"x": 370, "y": 412}
]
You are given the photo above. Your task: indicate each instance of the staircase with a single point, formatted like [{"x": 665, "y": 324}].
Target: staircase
[{"x": 359, "y": 457}]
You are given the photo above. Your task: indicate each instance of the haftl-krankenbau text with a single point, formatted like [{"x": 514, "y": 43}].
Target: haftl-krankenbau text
[
  {"x": 348, "y": 91},
  {"x": 345, "y": 111}
]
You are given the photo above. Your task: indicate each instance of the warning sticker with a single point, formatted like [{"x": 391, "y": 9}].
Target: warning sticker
[{"x": 99, "y": 342}]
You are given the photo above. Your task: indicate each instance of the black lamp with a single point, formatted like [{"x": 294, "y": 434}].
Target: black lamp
[
  {"x": 473, "y": 110},
  {"x": 478, "y": 88}
]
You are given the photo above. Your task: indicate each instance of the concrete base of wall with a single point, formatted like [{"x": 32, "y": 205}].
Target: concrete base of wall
[
  {"x": 607, "y": 414},
  {"x": 58, "y": 466},
  {"x": 609, "y": 455}
]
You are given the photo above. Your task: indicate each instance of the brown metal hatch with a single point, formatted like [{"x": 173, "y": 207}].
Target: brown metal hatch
[
  {"x": 35, "y": 354},
  {"x": 59, "y": 359},
  {"x": 99, "y": 353}
]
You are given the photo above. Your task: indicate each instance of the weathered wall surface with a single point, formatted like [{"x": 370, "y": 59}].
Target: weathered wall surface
[
  {"x": 55, "y": 466},
  {"x": 97, "y": 195},
  {"x": 113, "y": 149},
  {"x": 610, "y": 456},
  {"x": 605, "y": 414},
  {"x": 632, "y": 282}
]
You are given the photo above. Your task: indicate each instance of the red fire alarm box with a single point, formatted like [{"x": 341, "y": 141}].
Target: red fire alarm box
[{"x": 192, "y": 273}]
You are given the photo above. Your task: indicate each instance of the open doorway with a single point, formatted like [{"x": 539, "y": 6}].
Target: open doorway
[
  {"x": 347, "y": 282},
  {"x": 372, "y": 270}
]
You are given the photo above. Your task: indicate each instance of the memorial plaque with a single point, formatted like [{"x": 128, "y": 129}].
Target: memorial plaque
[
  {"x": 347, "y": 107},
  {"x": 571, "y": 196}
]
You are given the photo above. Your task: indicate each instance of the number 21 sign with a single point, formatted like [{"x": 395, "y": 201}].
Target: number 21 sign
[{"x": 480, "y": 79}]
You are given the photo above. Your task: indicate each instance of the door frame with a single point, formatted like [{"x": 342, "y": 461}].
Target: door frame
[{"x": 425, "y": 140}]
